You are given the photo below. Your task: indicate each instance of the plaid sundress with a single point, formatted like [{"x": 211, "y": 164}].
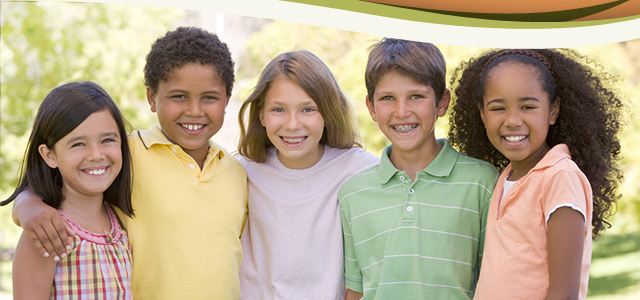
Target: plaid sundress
[{"x": 98, "y": 267}]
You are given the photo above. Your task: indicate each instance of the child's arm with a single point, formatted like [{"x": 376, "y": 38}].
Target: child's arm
[
  {"x": 42, "y": 224},
  {"x": 565, "y": 243},
  {"x": 351, "y": 295},
  {"x": 32, "y": 273}
]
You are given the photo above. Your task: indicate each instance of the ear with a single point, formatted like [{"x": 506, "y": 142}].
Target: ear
[
  {"x": 372, "y": 109},
  {"x": 443, "y": 104},
  {"x": 151, "y": 98},
  {"x": 554, "y": 112},
  {"x": 48, "y": 156}
]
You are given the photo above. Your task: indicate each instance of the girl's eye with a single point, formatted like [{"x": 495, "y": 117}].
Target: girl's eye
[
  {"x": 526, "y": 107},
  {"x": 209, "y": 98},
  {"x": 277, "y": 109},
  {"x": 108, "y": 140},
  {"x": 308, "y": 109},
  {"x": 496, "y": 108},
  {"x": 77, "y": 145}
]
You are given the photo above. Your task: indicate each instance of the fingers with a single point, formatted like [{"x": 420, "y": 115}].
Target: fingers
[{"x": 51, "y": 237}]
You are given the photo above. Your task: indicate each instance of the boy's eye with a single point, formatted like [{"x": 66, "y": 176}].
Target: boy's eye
[
  {"x": 178, "y": 97},
  {"x": 386, "y": 98},
  {"x": 416, "y": 96}
]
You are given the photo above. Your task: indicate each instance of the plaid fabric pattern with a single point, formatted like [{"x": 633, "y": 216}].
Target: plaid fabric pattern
[{"x": 98, "y": 267}]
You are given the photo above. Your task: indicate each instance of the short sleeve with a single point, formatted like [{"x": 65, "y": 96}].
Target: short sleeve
[
  {"x": 352, "y": 272},
  {"x": 567, "y": 187}
]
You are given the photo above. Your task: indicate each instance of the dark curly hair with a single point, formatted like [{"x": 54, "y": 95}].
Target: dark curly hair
[
  {"x": 186, "y": 45},
  {"x": 588, "y": 121}
]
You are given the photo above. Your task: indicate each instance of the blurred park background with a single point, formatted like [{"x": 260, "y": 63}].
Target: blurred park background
[{"x": 45, "y": 44}]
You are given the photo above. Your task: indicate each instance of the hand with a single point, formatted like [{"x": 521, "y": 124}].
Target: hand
[{"x": 42, "y": 224}]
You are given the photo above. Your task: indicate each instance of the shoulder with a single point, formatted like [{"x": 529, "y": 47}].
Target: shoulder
[
  {"x": 471, "y": 164},
  {"x": 355, "y": 156},
  {"x": 367, "y": 179}
]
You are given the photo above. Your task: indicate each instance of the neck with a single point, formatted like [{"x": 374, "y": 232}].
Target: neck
[
  {"x": 414, "y": 161},
  {"x": 88, "y": 212}
]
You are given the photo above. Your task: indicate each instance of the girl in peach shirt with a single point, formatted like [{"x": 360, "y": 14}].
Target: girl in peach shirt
[{"x": 551, "y": 125}]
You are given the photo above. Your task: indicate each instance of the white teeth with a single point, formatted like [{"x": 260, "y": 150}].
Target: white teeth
[
  {"x": 97, "y": 172},
  {"x": 192, "y": 127},
  {"x": 293, "y": 141},
  {"x": 404, "y": 128},
  {"x": 515, "y": 138}
]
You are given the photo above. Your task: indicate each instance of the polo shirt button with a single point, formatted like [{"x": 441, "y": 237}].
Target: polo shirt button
[
  {"x": 402, "y": 178},
  {"x": 192, "y": 166},
  {"x": 174, "y": 150},
  {"x": 411, "y": 191},
  {"x": 409, "y": 208}
]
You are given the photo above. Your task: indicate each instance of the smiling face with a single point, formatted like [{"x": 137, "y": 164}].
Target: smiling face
[
  {"x": 190, "y": 107},
  {"x": 89, "y": 158},
  {"x": 293, "y": 124},
  {"x": 517, "y": 114},
  {"x": 406, "y": 112}
]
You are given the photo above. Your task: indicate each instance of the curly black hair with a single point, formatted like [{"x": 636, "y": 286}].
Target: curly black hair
[
  {"x": 588, "y": 121},
  {"x": 186, "y": 45}
]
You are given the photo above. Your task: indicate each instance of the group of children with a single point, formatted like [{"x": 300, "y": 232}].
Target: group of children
[{"x": 304, "y": 212}]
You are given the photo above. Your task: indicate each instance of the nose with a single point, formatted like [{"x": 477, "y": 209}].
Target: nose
[
  {"x": 95, "y": 153},
  {"x": 194, "y": 107},
  {"x": 401, "y": 108},
  {"x": 513, "y": 118},
  {"x": 292, "y": 122}
]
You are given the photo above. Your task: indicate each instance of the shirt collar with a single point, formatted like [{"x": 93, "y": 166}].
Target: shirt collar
[
  {"x": 155, "y": 136},
  {"x": 441, "y": 166},
  {"x": 552, "y": 157}
]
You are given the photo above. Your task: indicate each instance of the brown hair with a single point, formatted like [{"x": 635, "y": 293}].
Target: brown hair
[
  {"x": 422, "y": 62},
  {"x": 588, "y": 121},
  {"x": 308, "y": 71}
]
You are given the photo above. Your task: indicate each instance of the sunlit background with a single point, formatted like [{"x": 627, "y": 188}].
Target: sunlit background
[{"x": 47, "y": 44}]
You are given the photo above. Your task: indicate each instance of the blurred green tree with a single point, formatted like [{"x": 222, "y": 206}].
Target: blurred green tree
[{"x": 46, "y": 44}]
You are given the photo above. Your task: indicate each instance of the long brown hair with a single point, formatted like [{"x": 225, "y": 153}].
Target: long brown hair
[{"x": 308, "y": 71}]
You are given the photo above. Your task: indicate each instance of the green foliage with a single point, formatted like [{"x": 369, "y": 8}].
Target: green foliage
[{"x": 47, "y": 44}]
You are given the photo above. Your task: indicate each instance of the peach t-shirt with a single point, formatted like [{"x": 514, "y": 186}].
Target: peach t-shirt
[{"x": 515, "y": 254}]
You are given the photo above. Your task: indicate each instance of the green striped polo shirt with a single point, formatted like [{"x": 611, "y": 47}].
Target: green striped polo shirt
[{"x": 420, "y": 239}]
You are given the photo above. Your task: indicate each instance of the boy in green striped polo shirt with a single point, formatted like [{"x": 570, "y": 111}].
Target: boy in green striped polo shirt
[{"x": 414, "y": 224}]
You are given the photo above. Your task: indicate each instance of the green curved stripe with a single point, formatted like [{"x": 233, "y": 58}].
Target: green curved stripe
[
  {"x": 553, "y": 16},
  {"x": 400, "y": 13}
]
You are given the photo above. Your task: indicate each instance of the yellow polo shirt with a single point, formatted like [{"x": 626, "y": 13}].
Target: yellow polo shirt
[{"x": 186, "y": 231}]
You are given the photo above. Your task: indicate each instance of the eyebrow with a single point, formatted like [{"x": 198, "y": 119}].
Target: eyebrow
[
  {"x": 521, "y": 99},
  {"x": 203, "y": 93}
]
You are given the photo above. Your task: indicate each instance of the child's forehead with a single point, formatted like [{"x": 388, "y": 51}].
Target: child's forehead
[
  {"x": 400, "y": 75},
  {"x": 192, "y": 73}
]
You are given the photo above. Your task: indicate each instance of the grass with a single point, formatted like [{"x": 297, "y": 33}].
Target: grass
[{"x": 615, "y": 267}]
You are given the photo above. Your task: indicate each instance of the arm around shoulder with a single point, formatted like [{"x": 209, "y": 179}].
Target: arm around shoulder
[{"x": 42, "y": 224}]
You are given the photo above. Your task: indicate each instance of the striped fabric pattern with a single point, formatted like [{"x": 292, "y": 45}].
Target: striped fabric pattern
[
  {"x": 420, "y": 239},
  {"x": 98, "y": 267}
]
